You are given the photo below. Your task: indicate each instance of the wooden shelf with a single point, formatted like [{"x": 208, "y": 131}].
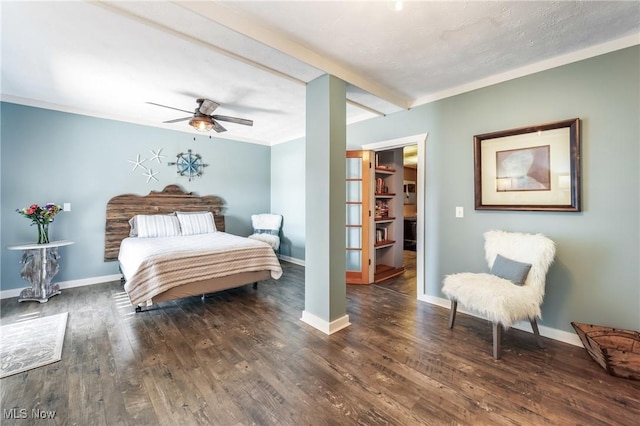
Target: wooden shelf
[
  {"x": 384, "y": 272},
  {"x": 383, "y": 244},
  {"x": 385, "y": 219},
  {"x": 385, "y": 195},
  {"x": 385, "y": 170}
]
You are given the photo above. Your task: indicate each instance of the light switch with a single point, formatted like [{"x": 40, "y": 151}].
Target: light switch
[
  {"x": 66, "y": 207},
  {"x": 459, "y": 212}
]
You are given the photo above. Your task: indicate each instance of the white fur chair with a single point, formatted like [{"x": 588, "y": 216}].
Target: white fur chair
[
  {"x": 498, "y": 299},
  {"x": 266, "y": 227}
]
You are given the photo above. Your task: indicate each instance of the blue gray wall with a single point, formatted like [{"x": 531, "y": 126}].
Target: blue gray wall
[
  {"x": 50, "y": 156},
  {"x": 596, "y": 275},
  {"x": 287, "y": 195}
]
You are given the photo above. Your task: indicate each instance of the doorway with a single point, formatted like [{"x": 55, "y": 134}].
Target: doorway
[
  {"x": 411, "y": 282},
  {"x": 405, "y": 283}
]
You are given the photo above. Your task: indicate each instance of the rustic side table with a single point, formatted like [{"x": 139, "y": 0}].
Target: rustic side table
[{"x": 40, "y": 266}]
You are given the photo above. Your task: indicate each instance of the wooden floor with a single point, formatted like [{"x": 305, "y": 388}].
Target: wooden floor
[
  {"x": 243, "y": 357},
  {"x": 405, "y": 283}
]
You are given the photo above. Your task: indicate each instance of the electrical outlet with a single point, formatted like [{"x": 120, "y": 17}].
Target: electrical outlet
[
  {"x": 459, "y": 212},
  {"x": 66, "y": 207}
]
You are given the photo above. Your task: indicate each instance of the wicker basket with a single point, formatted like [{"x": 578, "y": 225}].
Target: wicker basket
[{"x": 617, "y": 351}]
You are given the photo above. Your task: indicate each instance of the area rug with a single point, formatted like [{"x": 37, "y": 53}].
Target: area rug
[{"x": 31, "y": 344}]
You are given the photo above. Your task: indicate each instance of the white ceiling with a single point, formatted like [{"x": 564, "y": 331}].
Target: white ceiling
[{"x": 107, "y": 59}]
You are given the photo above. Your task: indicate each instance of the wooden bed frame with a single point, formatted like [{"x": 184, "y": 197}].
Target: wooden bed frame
[{"x": 172, "y": 198}]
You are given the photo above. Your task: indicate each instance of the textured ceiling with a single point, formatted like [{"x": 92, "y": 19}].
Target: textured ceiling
[{"x": 108, "y": 58}]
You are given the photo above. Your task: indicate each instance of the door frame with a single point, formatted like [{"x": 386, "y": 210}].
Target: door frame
[{"x": 420, "y": 140}]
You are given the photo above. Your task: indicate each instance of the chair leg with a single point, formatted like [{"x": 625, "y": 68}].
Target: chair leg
[
  {"x": 497, "y": 331},
  {"x": 452, "y": 313},
  {"x": 534, "y": 326}
]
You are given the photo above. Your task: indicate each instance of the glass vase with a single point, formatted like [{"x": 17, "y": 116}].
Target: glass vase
[{"x": 43, "y": 233}]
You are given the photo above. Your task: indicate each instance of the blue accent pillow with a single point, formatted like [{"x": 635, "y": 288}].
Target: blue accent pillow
[
  {"x": 267, "y": 231},
  {"x": 511, "y": 270}
]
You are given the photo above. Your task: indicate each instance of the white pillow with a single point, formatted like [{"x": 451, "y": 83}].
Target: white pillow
[
  {"x": 196, "y": 223},
  {"x": 133, "y": 232},
  {"x": 157, "y": 225}
]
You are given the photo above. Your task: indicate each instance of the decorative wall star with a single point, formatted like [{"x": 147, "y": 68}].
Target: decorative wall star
[
  {"x": 150, "y": 174},
  {"x": 138, "y": 163},
  {"x": 157, "y": 156}
]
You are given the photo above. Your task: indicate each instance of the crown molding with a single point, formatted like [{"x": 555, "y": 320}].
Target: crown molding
[{"x": 547, "y": 64}]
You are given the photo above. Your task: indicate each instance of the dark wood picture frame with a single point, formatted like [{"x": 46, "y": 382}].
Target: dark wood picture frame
[{"x": 535, "y": 168}]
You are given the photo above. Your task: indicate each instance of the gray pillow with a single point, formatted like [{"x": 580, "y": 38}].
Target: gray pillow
[{"x": 511, "y": 270}]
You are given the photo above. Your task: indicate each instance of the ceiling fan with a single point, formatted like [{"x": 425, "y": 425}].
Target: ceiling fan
[{"x": 203, "y": 118}]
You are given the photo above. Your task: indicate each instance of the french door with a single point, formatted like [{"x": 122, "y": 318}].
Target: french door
[{"x": 359, "y": 192}]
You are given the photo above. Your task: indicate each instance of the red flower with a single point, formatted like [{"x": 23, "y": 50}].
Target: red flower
[{"x": 41, "y": 215}]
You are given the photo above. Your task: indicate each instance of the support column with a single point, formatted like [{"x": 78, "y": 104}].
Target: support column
[{"x": 325, "y": 195}]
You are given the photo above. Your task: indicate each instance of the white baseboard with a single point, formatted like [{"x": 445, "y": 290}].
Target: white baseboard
[
  {"x": 551, "y": 333},
  {"x": 291, "y": 260},
  {"x": 15, "y": 292},
  {"x": 325, "y": 326}
]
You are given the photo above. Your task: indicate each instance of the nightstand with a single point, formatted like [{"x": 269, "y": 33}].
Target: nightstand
[{"x": 40, "y": 266}]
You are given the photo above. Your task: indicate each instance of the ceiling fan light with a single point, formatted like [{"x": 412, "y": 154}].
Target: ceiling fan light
[{"x": 201, "y": 123}]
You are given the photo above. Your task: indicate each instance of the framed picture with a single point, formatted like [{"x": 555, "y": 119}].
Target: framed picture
[
  {"x": 409, "y": 192},
  {"x": 529, "y": 168}
]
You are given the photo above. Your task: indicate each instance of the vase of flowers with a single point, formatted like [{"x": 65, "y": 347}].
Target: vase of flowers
[{"x": 41, "y": 217}]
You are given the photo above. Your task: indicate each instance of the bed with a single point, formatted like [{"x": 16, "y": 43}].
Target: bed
[{"x": 165, "y": 266}]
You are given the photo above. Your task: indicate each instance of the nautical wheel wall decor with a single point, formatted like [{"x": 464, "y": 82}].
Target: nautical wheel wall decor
[{"x": 189, "y": 164}]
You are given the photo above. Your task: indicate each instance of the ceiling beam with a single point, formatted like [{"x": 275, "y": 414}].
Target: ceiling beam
[
  {"x": 113, "y": 7},
  {"x": 255, "y": 30}
]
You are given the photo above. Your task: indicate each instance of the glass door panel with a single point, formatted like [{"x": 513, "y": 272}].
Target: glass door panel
[
  {"x": 354, "y": 214},
  {"x": 354, "y": 238},
  {"x": 354, "y": 168},
  {"x": 354, "y": 261},
  {"x": 354, "y": 191}
]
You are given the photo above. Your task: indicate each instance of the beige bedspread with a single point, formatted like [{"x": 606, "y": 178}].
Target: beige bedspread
[{"x": 158, "y": 264}]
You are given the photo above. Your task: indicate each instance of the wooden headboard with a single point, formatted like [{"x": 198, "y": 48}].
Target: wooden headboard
[{"x": 172, "y": 198}]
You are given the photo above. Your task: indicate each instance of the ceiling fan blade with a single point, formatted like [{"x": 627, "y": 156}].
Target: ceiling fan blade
[
  {"x": 207, "y": 106},
  {"x": 164, "y": 106},
  {"x": 178, "y": 119},
  {"x": 233, "y": 120},
  {"x": 217, "y": 127}
]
